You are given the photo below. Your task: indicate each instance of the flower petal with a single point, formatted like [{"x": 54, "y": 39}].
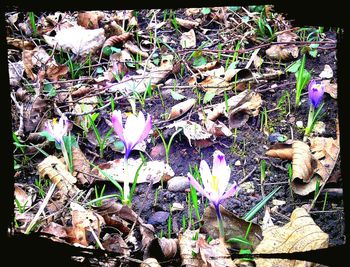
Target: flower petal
[
  {"x": 206, "y": 176},
  {"x": 133, "y": 129},
  {"x": 221, "y": 171},
  {"x": 229, "y": 192},
  {"x": 147, "y": 128},
  {"x": 117, "y": 124},
  {"x": 197, "y": 186}
]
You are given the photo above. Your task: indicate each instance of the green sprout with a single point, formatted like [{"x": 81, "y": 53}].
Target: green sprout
[{"x": 302, "y": 77}]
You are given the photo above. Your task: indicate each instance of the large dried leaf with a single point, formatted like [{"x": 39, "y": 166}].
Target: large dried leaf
[
  {"x": 214, "y": 254},
  {"x": 189, "y": 249},
  {"x": 192, "y": 130},
  {"x": 188, "y": 39},
  {"x": 303, "y": 181},
  {"x": 77, "y": 39},
  {"x": 181, "y": 108},
  {"x": 233, "y": 226},
  {"x": 300, "y": 234},
  {"x": 19, "y": 43},
  {"x": 327, "y": 72},
  {"x": 58, "y": 174},
  {"x": 326, "y": 151},
  {"x": 152, "y": 171},
  {"x": 284, "y": 51},
  {"x": 239, "y": 115}
]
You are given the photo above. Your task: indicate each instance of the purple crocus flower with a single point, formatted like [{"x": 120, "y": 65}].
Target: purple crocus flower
[
  {"x": 58, "y": 129},
  {"x": 215, "y": 183},
  {"x": 316, "y": 91},
  {"x": 136, "y": 129}
]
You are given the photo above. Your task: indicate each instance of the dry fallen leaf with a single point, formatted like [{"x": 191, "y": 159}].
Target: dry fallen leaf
[
  {"x": 58, "y": 174},
  {"x": 22, "y": 197},
  {"x": 19, "y": 43},
  {"x": 189, "y": 249},
  {"x": 239, "y": 115},
  {"x": 150, "y": 262},
  {"x": 162, "y": 248},
  {"x": 81, "y": 166},
  {"x": 54, "y": 72},
  {"x": 89, "y": 19},
  {"x": 188, "y": 24},
  {"x": 152, "y": 171},
  {"x": 77, "y": 39},
  {"x": 115, "y": 243},
  {"x": 188, "y": 39},
  {"x": 181, "y": 108},
  {"x": 331, "y": 88},
  {"x": 280, "y": 150},
  {"x": 233, "y": 226},
  {"x": 134, "y": 49},
  {"x": 327, "y": 72},
  {"x": 192, "y": 130},
  {"x": 217, "y": 129},
  {"x": 214, "y": 254},
  {"x": 300, "y": 234},
  {"x": 284, "y": 51},
  {"x": 55, "y": 229},
  {"x": 326, "y": 151}
]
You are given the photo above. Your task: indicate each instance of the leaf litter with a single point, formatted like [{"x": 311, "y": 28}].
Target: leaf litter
[{"x": 187, "y": 69}]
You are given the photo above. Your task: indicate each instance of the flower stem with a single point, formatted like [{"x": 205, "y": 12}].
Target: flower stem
[
  {"x": 310, "y": 120},
  {"x": 65, "y": 155},
  {"x": 220, "y": 222},
  {"x": 126, "y": 183}
]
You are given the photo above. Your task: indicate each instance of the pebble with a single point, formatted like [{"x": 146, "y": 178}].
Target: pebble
[
  {"x": 177, "y": 206},
  {"x": 247, "y": 187},
  {"x": 238, "y": 163},
  {"x": 299, "y": 124},
  {"x": 178, "y": 184},
  {"x": 277, "y": 137},
  {"x": 158, "y": 218},
  {"x": 278, "y": 202}
]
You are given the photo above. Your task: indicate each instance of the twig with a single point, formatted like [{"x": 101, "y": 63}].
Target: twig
[{"x": 247, "y": 176}]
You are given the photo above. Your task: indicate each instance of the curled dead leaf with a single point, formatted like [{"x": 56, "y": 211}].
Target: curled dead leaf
[
  {"x": 217, "y": 129},
  {"x": 284, "y": 51},
  {"x": 55, "y": 229},
  {"x": 19, "y": 43},
  {"x": 304, "y": 165},
  {"x": 22, "y": 197},
  {"x": 300, "y": 234},
  {"x": 117, "y": 39},
  {"x": 249, "y": 106},
  {"x": 134, "y": 49},
  {"x": 54, "y": 72},
  {"x": 280, "y": 150},
  {"x": 188, "y": 24},
  {"x": 181, "y": 108},
  {"x": 331, "y": 88},
  {"x": 58, "y": 174}
]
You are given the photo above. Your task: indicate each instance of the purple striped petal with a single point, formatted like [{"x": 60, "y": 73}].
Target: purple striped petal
[{"x": 230, "y": 192}]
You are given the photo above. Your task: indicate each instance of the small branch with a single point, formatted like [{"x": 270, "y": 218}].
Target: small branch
[{"x": 247, "y": 176}]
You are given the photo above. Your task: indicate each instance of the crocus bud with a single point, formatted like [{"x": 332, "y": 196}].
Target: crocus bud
[{"x": 316, "y": 91}]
